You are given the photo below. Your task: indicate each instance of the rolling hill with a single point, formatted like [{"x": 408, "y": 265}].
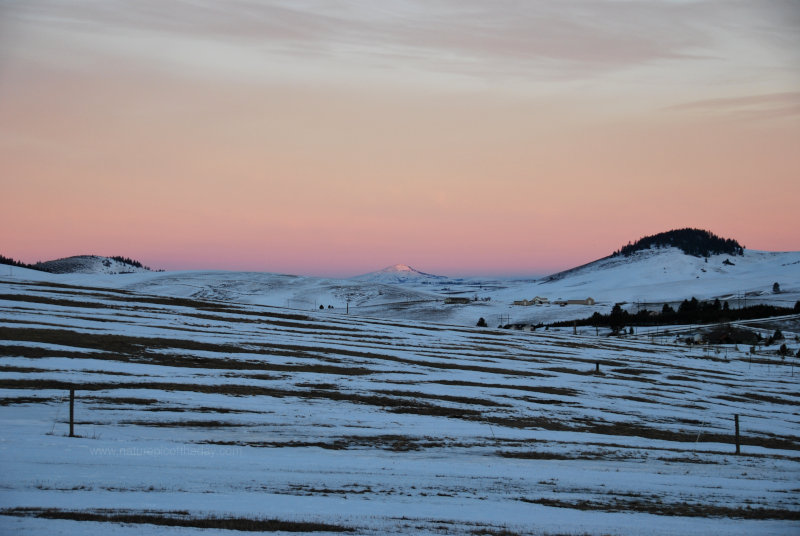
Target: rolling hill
[
  {"x": 81, "y": 264},
  {"x": 400, "y": 274}
]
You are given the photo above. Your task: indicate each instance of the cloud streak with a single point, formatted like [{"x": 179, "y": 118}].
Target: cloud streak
[
  {"x": 774, "y": 105},
  {"x": 575, "y": 39}
]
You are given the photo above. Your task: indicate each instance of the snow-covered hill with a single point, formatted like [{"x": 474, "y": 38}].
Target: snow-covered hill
[
  {"x": 399, "y": 274},
  {"x": 282, "y": 290},
  {"x": 259, "y": 288},
  {"x": 668, "y": 274},
  {"x": 90, "y": 264}
]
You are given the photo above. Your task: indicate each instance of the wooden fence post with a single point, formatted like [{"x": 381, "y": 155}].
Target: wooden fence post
[
  {"x": 72, "y": 413},
  {"x": 736, "y": 420}
]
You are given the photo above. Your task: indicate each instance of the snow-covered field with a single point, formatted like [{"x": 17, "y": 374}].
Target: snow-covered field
[{"x": 197, "y": 414}]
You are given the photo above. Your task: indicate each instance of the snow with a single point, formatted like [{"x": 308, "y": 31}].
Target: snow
[
  {"x": 651, "y": 277},
  {"x": 400, "y": 273},
  {"x": 387, "y": 426}
]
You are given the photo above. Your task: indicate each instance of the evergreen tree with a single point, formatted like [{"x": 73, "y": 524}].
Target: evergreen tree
[
  {"x": 688, "y": 306},
  {"x": 616, "y": 319}
]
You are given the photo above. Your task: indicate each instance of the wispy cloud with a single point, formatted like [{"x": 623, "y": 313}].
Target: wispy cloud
[
  {"x": 763, "y": 106},
  {"x": 575, "y": 38}
]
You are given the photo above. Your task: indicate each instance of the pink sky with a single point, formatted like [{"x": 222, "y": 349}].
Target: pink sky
[{"x": 466, "y": 138}]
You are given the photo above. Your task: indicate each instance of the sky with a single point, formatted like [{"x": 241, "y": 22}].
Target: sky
[{"x": 461, "y": 137}]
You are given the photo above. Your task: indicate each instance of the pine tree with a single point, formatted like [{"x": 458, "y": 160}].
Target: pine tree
[{"x": 617, "y": 317}]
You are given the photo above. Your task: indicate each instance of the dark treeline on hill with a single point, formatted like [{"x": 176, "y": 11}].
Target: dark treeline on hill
[
  {"x": 128, "y": 260},
  {"x": 12, "y": 262},
  {"x": 689, "y": 312},
  {"x": 44, "y": 267},
  {"x": 695, "y": 242}
]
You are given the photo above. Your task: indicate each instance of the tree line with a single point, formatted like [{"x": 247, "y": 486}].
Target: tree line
[
  {"x": 690, "y": 311},
  {"x": 128, "y": 260},
  {"x": 13, "y": 262}
]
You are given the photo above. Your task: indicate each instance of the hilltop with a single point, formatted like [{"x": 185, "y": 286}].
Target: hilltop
[
  {"x": 92, "y": 264},
  {"x": 83, "y": 264},
  {"x": 695, "y": 242}
]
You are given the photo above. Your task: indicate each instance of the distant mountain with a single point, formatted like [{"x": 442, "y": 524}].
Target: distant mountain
[
  {"x": 400, "y": 273},
  {"x": 91, "y": 264}
]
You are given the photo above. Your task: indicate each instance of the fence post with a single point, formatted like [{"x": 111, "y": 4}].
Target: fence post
[
  {"x": 72, "y": 413},
  {"x": 736, "y": 420}
]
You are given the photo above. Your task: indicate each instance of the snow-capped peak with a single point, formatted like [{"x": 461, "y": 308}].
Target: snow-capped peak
[
  {"x": 397, "y": 268},
  {"x": 398, "y": 273}
]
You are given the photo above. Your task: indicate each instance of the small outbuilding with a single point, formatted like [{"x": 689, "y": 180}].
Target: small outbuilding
[
  {"x": 453, "y": 300},
  {"x": 587, "y": 301}
]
